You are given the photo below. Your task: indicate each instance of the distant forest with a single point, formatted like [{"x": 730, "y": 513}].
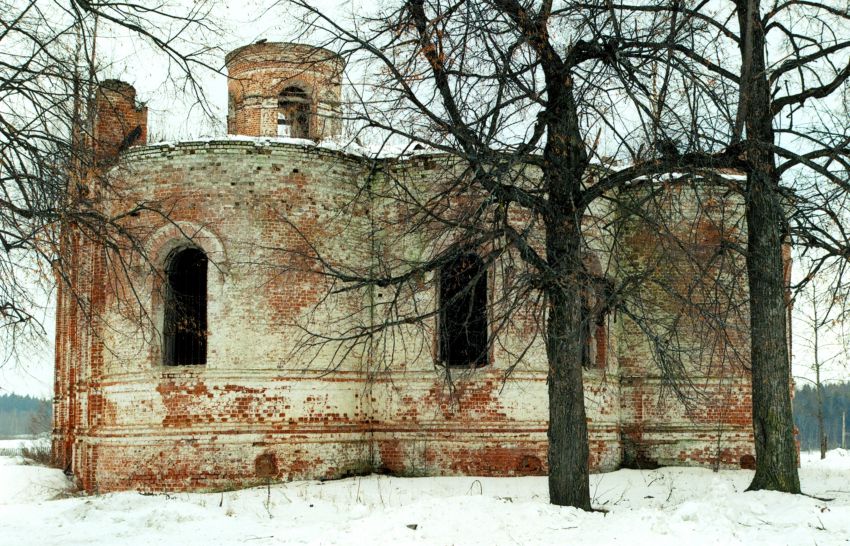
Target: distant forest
[
  {"x": 24, "y": 415},
  {"x": 836, "y": 400}
]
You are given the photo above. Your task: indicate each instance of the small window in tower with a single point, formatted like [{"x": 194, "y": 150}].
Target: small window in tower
[
  {"x": 463, "y": 313},
  {"x": 293, "y": 117},
  {"x": 185, "y": 324}
]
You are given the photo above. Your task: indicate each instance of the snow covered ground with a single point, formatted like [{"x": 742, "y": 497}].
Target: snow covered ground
[
  {"x": 15, "y": 444},
  {"x": 676, "y": 506}
]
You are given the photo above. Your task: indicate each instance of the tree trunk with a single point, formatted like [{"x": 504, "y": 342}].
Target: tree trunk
[
  {"x": 776, "y": 460},
  {"x": 565, "y": 161},
  {"x": 821, "y": 431},
  {"x": 568, "y": 446},
  {"x": 773, "y": 425},
  {"x": 816, "y": 367},
  {"x": 818, "y": 385}
]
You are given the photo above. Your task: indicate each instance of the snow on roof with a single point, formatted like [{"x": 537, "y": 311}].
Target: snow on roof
[
  {"x": 348, "y": 146},
  {"x": 386, "y": 151}
]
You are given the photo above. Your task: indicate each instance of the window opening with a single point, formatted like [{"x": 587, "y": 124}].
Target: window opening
[
  {"x": 463, "y": 317},
  {"x": 601, "y": 344},
  {"x": 185, "y": 328},
  {"x": 293, "y": 118}
]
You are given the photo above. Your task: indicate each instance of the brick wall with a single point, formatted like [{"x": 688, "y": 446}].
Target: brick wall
[
  {"x": 120, "y": 122},
  {"x": 258, "y": 73},
  {"x": 267, "y": 394},
  {"x": 691, "y": 302}
]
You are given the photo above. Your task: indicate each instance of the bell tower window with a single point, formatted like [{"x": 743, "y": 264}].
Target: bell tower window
[{"x": 293, "y": 116}]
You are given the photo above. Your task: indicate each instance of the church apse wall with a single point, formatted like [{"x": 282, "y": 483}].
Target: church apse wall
[{"x": 217, "y": 381}]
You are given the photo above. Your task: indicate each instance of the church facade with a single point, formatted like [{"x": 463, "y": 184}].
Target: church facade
[{"x": 191, "y": 362}]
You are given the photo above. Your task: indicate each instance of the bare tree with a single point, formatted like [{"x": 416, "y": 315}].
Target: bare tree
[
  {"x": 513, "y": 100},
  {"x": 790, "y": 74},
  {"x": 769, "y": 99},
  {"x": 50, "y": 171},
  {"x": 822, "y": 339}
]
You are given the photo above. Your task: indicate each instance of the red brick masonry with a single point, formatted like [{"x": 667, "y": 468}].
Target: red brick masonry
[{"x": 262, "y": 405}]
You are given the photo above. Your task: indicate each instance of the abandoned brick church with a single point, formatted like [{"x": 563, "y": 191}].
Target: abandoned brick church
[{"x": 203, "y": 389}]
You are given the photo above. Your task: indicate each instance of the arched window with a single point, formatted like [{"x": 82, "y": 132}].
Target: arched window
[
  {"x": 463, "y": 312},
  {"x": 293, "y": 116},
  {"x": 185, "y": 327}
]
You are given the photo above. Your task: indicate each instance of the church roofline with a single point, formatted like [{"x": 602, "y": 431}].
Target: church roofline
[
  {"x": 156, "y": 149},
  {"x": 328, "y": 54}
]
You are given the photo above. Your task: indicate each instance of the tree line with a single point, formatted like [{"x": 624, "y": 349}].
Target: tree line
[
  {"x": 836, "y": 404},
  {"x": 21, "y": 415}
]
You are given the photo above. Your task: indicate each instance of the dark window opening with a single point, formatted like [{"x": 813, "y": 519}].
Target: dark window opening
[
  {"x": 185, "y": 328},
  {"x": 463, "y": 314},
  {"x": 293, "y": 116}
]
